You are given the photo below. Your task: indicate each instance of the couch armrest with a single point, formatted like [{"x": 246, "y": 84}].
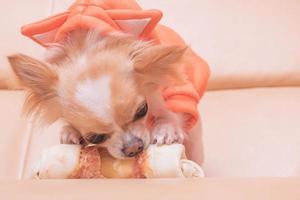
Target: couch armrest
[
  {"x": 14, "y": 135},
  {"x": 204, "y": 189}
]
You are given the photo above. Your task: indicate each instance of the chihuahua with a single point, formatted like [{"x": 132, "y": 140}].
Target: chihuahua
[{"x": 105, "y": 88}]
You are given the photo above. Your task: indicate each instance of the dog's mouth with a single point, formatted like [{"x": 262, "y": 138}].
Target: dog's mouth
[{"x": 120, "y": 145}]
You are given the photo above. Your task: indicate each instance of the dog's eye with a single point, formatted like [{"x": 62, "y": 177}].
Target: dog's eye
[
  {"x": 94, "y": 138},
  {"x": 141, "y": 112}
]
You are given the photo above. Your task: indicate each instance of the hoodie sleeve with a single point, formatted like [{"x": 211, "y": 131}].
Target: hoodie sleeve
[{"x": 185, "y": 98}]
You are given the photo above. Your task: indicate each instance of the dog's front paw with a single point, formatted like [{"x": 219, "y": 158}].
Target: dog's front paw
[
  {"x": 70, "y": 135},
  {"x": 167, "y": 133}
]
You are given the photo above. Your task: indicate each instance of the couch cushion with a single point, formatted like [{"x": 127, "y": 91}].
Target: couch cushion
[
  {"x": 253, "y": 132},
  {"x": 246, "y": 43}
]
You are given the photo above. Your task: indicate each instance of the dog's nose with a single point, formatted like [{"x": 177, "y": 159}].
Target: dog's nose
[{"x": 133, "y": 147}]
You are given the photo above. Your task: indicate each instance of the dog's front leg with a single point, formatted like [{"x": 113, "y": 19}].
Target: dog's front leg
[
  {"x": 167, "y": 130},
  {"x": 168, "y": 126}
]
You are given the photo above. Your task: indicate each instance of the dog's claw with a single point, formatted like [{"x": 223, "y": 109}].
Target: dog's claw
[{"x": 167, "y": 133}]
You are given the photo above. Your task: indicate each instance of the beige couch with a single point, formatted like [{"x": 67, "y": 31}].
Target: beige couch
[{"x": 250, "y": 114}]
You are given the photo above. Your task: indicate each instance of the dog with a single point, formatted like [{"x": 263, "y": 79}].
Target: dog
[{"x": 114, "y": 89}]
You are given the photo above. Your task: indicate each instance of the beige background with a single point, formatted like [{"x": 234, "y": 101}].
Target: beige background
[{"x": 247, "y": 132}]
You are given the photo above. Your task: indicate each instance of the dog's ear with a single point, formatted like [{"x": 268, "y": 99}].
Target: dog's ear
[
  {"x": 160, "y": 64},
  {"x": 40, "y": 80},
  {"x": 32, "y": 73}
]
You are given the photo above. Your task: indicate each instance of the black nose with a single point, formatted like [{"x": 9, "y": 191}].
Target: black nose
[{"x": 133, "y": 147}]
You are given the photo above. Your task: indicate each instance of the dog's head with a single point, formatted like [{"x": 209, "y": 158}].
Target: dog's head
[{"x": 101, "y": 86}]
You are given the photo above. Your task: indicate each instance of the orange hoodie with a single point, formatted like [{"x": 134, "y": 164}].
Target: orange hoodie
[{"x": 108, "y": 16}]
